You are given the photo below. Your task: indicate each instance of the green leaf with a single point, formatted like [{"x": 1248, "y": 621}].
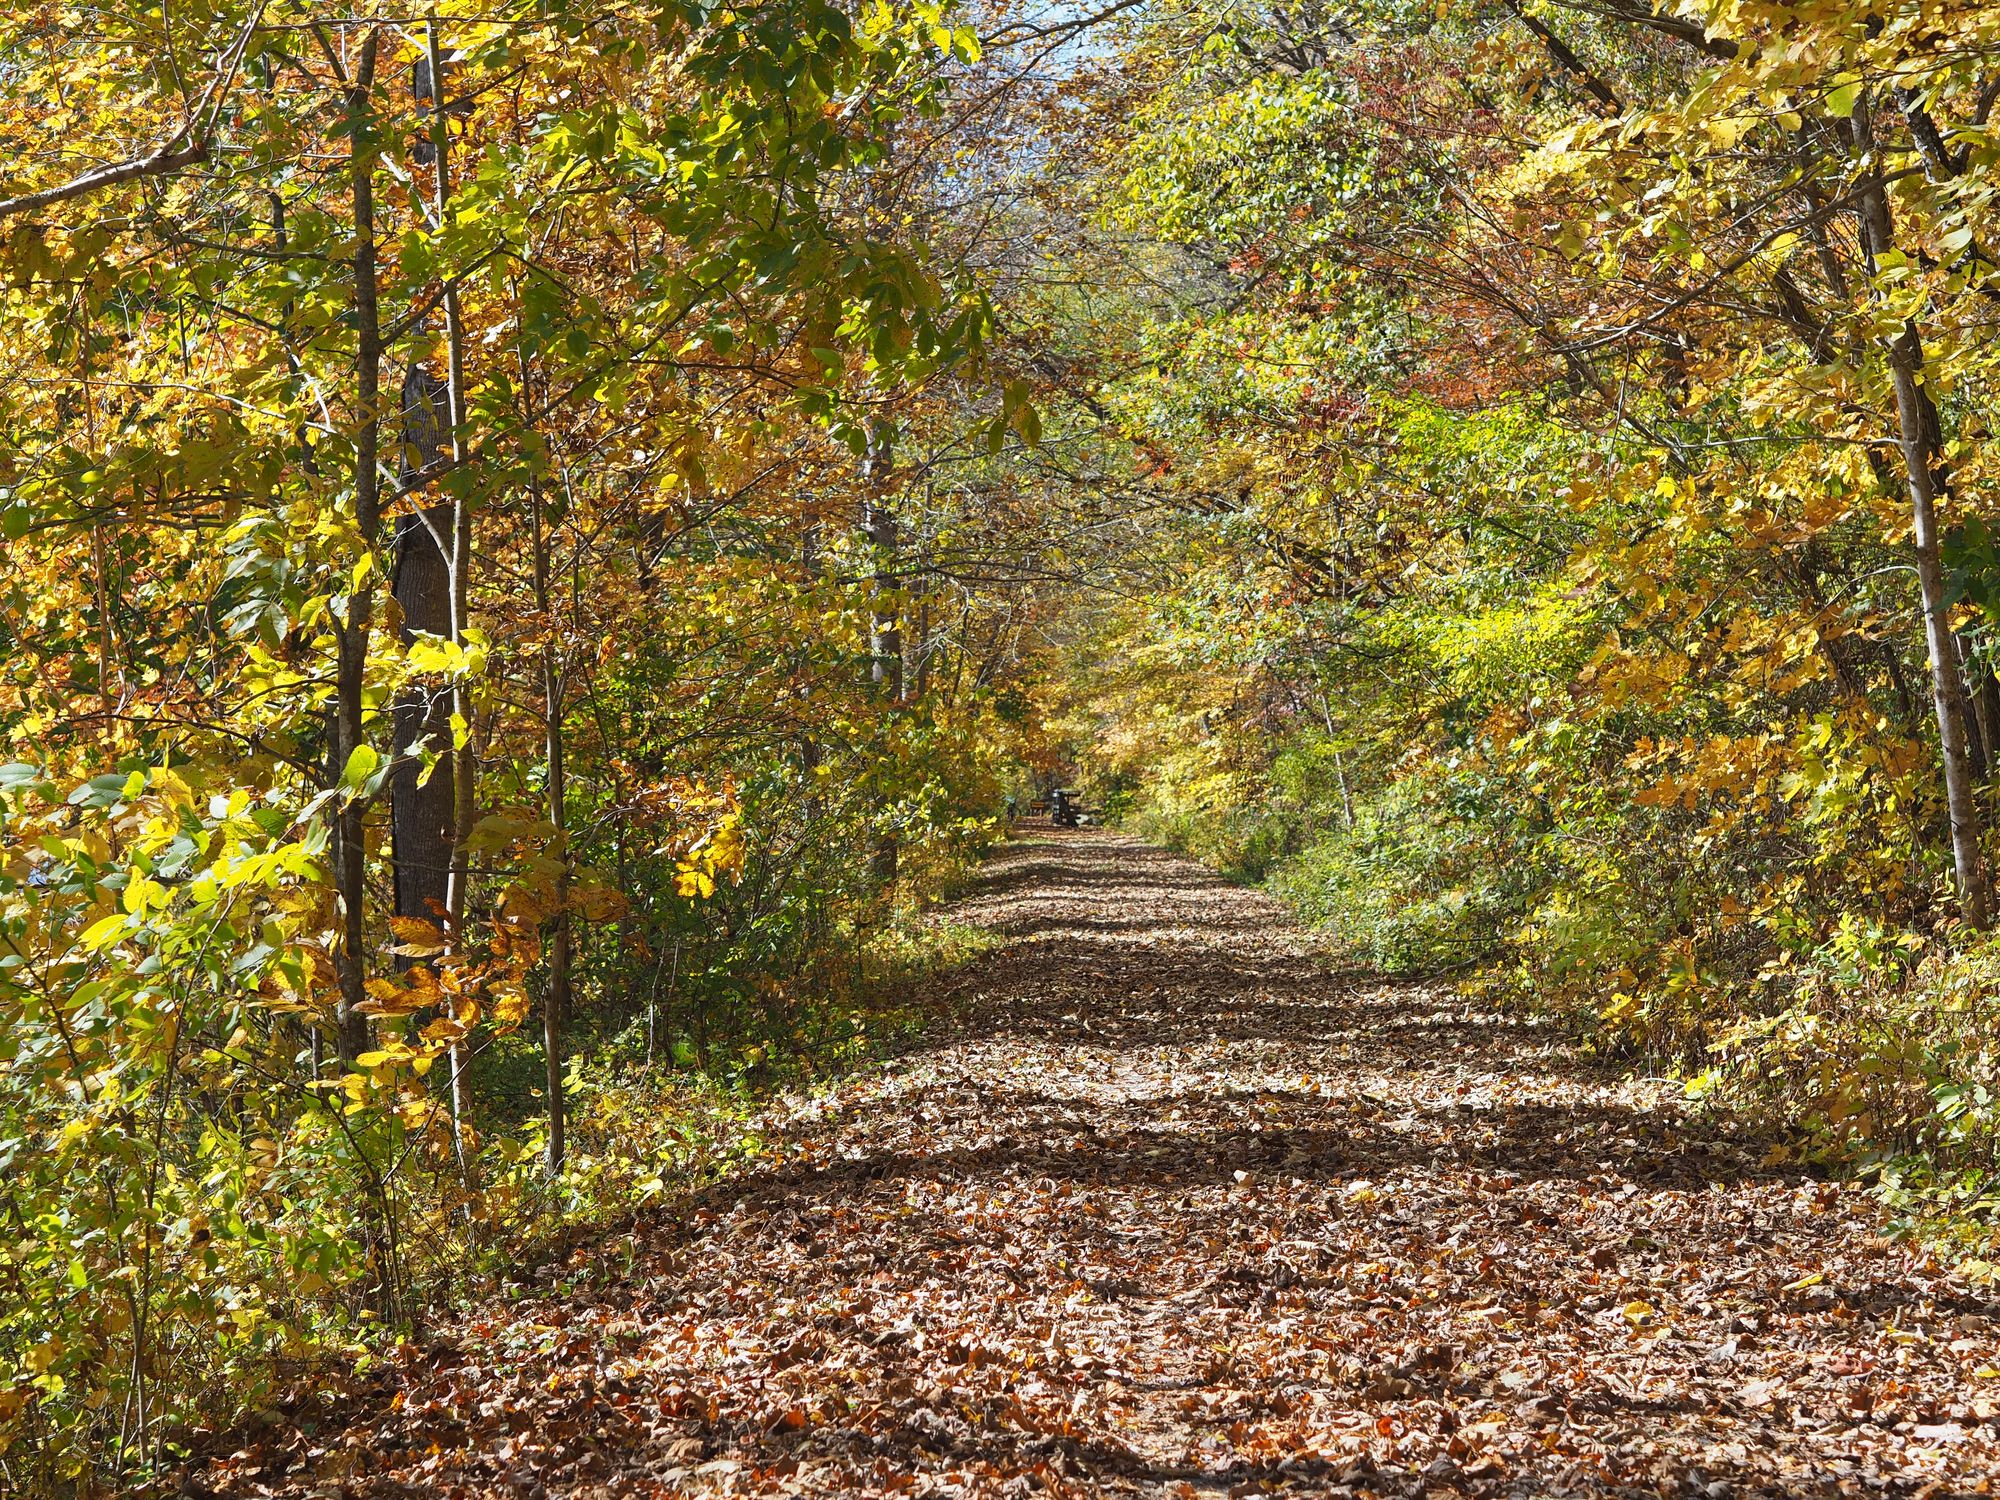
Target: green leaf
[
  {"x": 362, "y": 775},
  {"x": 107, "y": 790}
]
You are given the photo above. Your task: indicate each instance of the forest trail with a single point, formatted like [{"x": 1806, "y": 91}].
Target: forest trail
[{"x": 1179, "y": 1211}]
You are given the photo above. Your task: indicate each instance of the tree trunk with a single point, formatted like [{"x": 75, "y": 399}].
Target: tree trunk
[
  {"x": 421, "y": 810},
  {"x": 350, "y": 823},
  {"x": 885, "y": 643},
  {"x": 556, "y": 1002},
  {"x": 1986, "y": 706},
  {"x": 1979, "y": 725},
  {"x": 1918, "y": 439},
  {"x": 1905, "y": 370},
  {"x": 810, "y": 753},
  {"x": 458, "y": 879}
]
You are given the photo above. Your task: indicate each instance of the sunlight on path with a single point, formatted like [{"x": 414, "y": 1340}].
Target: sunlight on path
[{"x": 1181, "y": 1211}]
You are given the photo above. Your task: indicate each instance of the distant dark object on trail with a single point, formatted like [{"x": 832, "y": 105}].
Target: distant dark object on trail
[{"x": 1063, "y": 811}]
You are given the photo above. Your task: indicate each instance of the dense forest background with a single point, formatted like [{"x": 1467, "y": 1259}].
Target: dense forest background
[{"x": 539, "y": 537}]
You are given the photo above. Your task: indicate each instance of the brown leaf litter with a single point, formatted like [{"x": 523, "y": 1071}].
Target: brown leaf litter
[{"x": 1181, "y": 1211}]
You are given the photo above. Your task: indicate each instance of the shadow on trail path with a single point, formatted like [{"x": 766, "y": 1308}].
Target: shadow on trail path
[{"x": 1181, "y": 1211}]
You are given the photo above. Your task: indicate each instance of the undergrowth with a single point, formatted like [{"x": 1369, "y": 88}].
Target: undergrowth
[
  {"x": 659, "y": 1107},
  {"x": 1861, "y": 1048}
]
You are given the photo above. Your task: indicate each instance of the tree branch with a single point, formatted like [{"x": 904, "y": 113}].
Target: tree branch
[
  {"x": 158, "y": 164},
  {"x": 171, "y": 156},
  {"x": 1560, "y": 51}
]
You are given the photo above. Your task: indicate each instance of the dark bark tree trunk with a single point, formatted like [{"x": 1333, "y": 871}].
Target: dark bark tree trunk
[
  {"x": 1979, "y": 724},
  {"x": 351, "y": 651},
  {"x": 421, "y": 808},
  {"x": 465, "y": 770},
  {"x": 556, "y": 1002},
  {"x": 1986, "y": 707},
  {"x": 810, "y": 753}
]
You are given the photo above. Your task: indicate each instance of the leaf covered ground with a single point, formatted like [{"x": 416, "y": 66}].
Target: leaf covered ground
[{"x": 1179, "y": 1210}]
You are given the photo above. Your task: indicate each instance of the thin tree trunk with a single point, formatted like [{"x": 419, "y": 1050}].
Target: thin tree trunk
[
  {"x": 556, "y": 1002},
  {"x": 810, "y": 753},
  {"x": 1905, "y": 370},
  {"x": 1986, "y": 705},
  {"x": 1917, "y": 439},
  {"x": 465, "y": 770},
  {"x": 885, "y": 644},
  {"x": 351, "y": 876},
  {"x": 1980, "y": 724},
  {"x": 1339, "y": 767}
]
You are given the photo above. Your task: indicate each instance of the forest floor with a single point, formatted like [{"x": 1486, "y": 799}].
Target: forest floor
[{"x": 1177, "y": 1209}]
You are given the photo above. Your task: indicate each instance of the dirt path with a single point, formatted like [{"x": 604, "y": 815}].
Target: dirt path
[{"x": 1182, "y": 1213}]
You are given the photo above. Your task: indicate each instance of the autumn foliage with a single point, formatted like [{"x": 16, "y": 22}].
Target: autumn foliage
[
  {"x": 537, "y": 534},
  {"x": 1566, "y": 431},
  {"x": 437, "y": 690}
]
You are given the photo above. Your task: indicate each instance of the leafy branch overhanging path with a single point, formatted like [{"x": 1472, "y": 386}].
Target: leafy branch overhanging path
[{"x": 1178, "y": 1211}]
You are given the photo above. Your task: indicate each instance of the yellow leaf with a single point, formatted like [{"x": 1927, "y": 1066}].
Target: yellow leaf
[
  {"x": 416, "y": 930},
  {"x": 510, "y": 1006},
  {"x": 597, "y": 902},
  {"x": 103, "y": 932},
  {"x": 417, "y": 938}
]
